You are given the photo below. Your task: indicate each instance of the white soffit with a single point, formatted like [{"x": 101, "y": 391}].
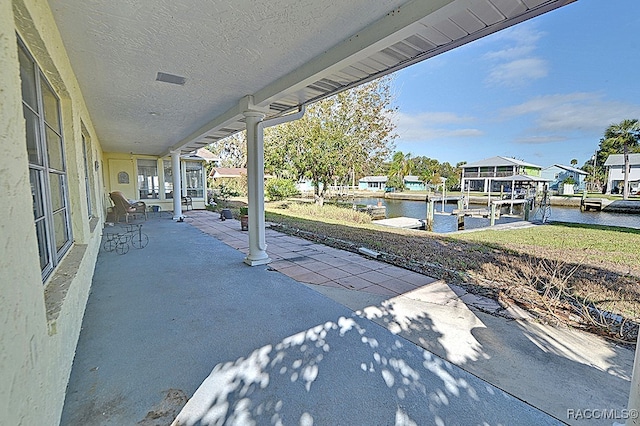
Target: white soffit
[{"x": 282, "y": 53}]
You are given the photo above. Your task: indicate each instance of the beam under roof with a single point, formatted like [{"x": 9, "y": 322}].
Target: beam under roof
[{"x": 406, "y": 35}]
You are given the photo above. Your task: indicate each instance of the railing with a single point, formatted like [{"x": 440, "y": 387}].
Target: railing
[{"x": 487, "y": 174}]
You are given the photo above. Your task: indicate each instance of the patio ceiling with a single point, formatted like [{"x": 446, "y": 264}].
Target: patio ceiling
[{"x": 282, "y": 53}]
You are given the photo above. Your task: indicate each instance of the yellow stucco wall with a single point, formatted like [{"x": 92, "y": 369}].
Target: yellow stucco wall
[
  {"x": 40, "y": 322},
  {"x": 116, "y": 163}
]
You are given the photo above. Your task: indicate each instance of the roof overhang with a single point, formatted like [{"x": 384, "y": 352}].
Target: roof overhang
[{"x": 272, "y": 56}]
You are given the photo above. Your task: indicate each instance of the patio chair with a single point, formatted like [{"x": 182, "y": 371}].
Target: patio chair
[
  {"x": 124, "y": 207},
  {"x": 187, "y": 202}
]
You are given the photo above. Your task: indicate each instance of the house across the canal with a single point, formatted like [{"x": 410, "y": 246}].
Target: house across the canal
[
  {"x": 559, "y": 175},
  {"x": 373, "y": 183},
  {"x": 414, "y": 183},
  {"x": 492, "y": 174},
  {"x": 615, "y": 175}
]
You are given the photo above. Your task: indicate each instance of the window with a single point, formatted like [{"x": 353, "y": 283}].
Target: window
[
  {"x": 148, "y": 178},
  {"x": 168, "y": 180},
  {"x": 194, "y": 181},
  {"x": 88, "y": 172},
  {"x": 47, "y": 168}
]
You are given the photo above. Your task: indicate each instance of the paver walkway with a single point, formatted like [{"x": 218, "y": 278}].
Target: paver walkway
[{"x": 312, "y": 263}]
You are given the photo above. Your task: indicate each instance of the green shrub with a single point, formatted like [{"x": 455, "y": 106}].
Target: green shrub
[
  {"x": 223, "y": 192},
  {"x": 328, "y": 211},
  {"x": 279, "y": 189}
]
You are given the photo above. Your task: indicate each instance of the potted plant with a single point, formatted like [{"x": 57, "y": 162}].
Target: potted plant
[
  {"x": 244, "y": 218},
  {"x": 224, "y": 193}
]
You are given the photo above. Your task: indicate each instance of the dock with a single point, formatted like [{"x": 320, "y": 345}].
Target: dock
[
  {"x": 471, "y": 212},
  {"x": 401, "y": 222},
  {"x": 588, "y": 204},
  {"x": 376, "y": 212}
]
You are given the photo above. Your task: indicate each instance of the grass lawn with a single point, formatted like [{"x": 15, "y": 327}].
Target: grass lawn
[{"x": 558, "y": 272}]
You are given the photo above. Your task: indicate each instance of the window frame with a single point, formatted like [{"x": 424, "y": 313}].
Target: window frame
[
  {"x": 88, "y": 172},
  {"x": 190, "y": 190},
  {"x": 167, "y": 179},
  {"x": 52, "y": 243},
  {"x": 143, "y": 179}
]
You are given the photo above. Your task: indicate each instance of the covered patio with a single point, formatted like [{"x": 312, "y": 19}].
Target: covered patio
[
  {"x": 359, "y": 342},
  {"x": 106, "y": 96}
]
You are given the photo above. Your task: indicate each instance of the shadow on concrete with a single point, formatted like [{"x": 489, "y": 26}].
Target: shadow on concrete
[
  {"x": 160, "y": 318},
  {"x": 557, "y": 370},
  {"x": 349, "y": 372}
]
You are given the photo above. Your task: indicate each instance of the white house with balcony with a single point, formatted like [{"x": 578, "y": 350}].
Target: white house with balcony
[
  {"x": 483, "y": 175},
  {"x": 615, "y": 175}
]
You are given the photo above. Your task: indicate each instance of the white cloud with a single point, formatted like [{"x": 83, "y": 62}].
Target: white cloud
[
  {"x": 539, "y": 140},
  {"x": 510, "y": 53},
  {"x": 515, "y": 64},
  {"x": 518, "y": 72},
  {"x": 573, "y": 112},
  {"x": 519, "y": 41},
  {"x": 433, "y": 118},
  {"x": 434, "y": 125}
]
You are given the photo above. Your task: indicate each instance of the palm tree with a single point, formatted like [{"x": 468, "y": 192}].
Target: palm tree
[
  {"x": 401, "y": 165},
  {"x": 625, "y": 133},
  {"x": 425, "y": 176}
]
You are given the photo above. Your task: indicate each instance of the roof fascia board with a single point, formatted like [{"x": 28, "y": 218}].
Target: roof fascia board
[
  {"x": 393, "y": 27},
  {"x": 232, "y": 115}
]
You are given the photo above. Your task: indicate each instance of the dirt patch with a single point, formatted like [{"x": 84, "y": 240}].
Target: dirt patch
[
  {"x": 590, "y": 296},
  {"x": 165, "y": 412}
]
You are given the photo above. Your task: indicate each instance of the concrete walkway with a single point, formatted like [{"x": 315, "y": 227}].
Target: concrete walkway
[{"x": 185, "y": 318}]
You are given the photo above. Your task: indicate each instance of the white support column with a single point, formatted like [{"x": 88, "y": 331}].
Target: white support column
[
  {"x": 255, "y": 185},
  {"x": 634, "y": 393},
  {"x": 177, "y": 191}
]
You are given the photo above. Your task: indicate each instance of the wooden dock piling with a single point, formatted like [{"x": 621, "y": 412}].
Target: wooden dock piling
[{"x": 430, "y": 211}]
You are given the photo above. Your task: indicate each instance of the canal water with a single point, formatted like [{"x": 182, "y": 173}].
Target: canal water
[{"x": 449, "y": 223}]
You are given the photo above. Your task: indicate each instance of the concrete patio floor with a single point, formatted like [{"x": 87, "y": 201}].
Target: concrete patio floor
[{"x": 319, "y": 336}]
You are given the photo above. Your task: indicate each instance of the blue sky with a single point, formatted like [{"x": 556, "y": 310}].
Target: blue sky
[{"x": 543, "y": 91}]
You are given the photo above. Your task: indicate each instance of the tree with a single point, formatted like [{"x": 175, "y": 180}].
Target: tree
[
  {"x": 574, "y": 162},
  {"x": 623, "y": 136},
  {"x": 232, "y": 150},
  {"x": 426, "y": 168},
  {"x": 348, "y": 134},
  {"x": 401, "y": 166}
]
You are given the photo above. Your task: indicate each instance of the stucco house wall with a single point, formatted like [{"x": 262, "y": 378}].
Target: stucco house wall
[
  {"x": 40, "y": 321},
  {"x": 115, "y": 163}
]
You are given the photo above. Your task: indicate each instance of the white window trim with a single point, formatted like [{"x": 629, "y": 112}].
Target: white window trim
[{"x": 43, "y": 171}]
